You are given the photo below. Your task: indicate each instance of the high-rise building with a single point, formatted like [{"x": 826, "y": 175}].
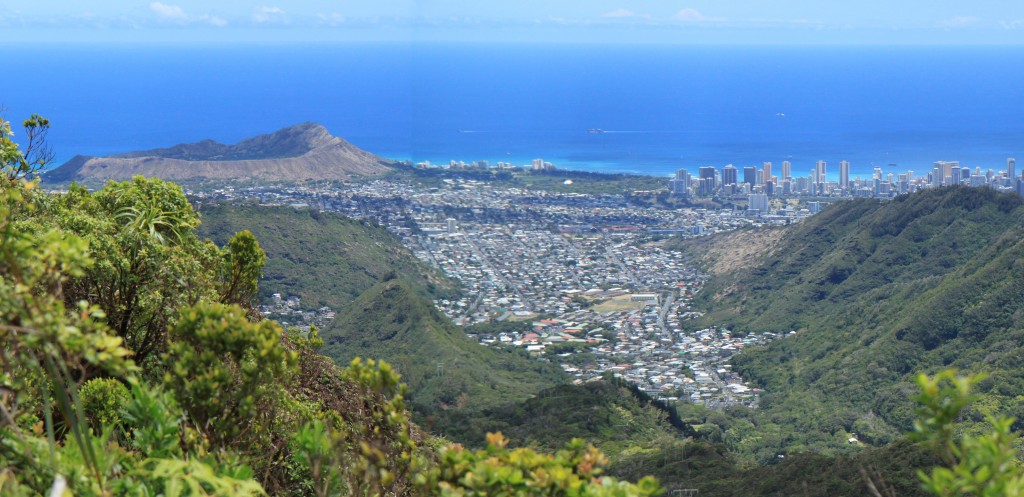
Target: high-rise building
[
  {"x": 819, "y": 175},
  {"x": 844, "y": 175},
  {"x": 766, "y": 172},
  {"x": 707, "y": 174},
  {"x": 904, "y": 184},
  {"x": 1011, "y": 168},
  {"x": 750, "y": 175},
  {"x": 786, "y": 170},
  {"x": 942, "y": 170},
  {"x": 801, "y": 185},
  {"x": 730, "y": 175},
  {"x": 681, "y": 184},
  {"x": 706, "y": 187}
]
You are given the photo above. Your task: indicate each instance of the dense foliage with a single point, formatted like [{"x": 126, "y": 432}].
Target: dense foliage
[
  {"x": 496, "y": 470},
  {"x": 985, "y": 464},
  {"x": 132, "y": 247},
  {"x": 876, "y": 293},
  {"x": 640, "y": 438}
]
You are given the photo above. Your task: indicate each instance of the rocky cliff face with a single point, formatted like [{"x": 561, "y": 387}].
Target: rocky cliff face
[{"x": 299, "y": 153}]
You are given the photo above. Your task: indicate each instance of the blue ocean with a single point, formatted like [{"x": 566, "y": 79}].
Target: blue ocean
[{"x": 661, "y": 107}]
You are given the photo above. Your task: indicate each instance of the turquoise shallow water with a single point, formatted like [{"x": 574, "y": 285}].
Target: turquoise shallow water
[{"x": 661, "y": 107}]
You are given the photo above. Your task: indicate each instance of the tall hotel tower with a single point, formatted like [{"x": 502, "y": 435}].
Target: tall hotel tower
[
  {"x": 819, "y": 177},
  {"x": 730, "y": 176}
]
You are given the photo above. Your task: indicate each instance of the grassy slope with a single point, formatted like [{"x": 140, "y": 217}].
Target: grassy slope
[
  {"x": 326, "y": 259},
  {"x": 446, "y": 371},
  {"x": 880, "y": 292}
]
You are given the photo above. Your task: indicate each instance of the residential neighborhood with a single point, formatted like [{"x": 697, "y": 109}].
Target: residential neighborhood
[{"x": 581, "y": 280}]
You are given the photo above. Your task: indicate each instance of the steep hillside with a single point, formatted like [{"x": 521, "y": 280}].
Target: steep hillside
[
  {"x": 383, "y": 295},
  {"x": 732, "y": 251},
  {"x": 445, "y": 370},
  {"x": 696, "y": 464},
  {"x": 616, "y": 417},
  {"x": 325, "y": 259},
  {"x": 878, "y": 292},
  {"x": 298, "y": 153},
  {"x": 641, "y": 437}
]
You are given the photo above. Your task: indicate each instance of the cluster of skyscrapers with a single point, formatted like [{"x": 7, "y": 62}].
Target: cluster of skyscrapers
[{"x": 713, "y": 182}]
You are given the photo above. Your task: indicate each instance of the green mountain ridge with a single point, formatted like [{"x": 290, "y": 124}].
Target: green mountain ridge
[
  {"x": 878, "y": 293},
  {"x": 445, "y": 370},
  {"x": 326, "y": 259},
  {"x": 611, "y": 414}
]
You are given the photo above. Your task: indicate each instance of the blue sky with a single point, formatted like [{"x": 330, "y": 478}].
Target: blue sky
[{"x": 543, "y": 21}]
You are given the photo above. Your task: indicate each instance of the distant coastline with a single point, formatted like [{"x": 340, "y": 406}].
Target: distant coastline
[{"x": 687, "y": 106}]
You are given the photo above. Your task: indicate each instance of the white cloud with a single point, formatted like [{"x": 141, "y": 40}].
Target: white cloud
[
  {"x": 8, "y": 17},
  {"x": 213, "y": 21},
  {"x": 168, "y": 12},
  {"x": 266, "y": 14},
  {"x": 1012, "y": 25},
  {"x": 959, "y": 22},
  {"x": 174, "y": 13},
  {"x": 618, "y": 13},
  {"x": 692, "y": 15},
  {"x": 332, "y": 19}
]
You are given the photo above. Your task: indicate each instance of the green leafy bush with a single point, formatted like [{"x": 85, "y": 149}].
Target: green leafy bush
[
  {"x": 496, "y": 470},
  {"x": 227, "y": 372},
  {"x": 983, "y": 465},
  {"x": 103, "y": 399}
]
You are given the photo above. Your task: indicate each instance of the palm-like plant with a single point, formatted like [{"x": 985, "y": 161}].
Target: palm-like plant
[{"x": 150, "y": 219}]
